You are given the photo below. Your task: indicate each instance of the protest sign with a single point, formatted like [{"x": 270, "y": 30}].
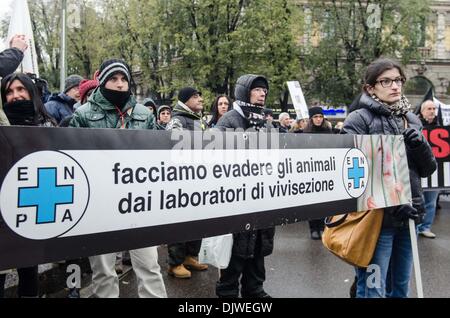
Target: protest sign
[
  {"x": 68, "y": 193},
  {"x": 440, "y": 144}
]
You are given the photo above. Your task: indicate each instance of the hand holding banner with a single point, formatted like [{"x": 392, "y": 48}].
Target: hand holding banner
[
  {"x": 20, "y": 24},
  {"x": 96, "y": 192}
]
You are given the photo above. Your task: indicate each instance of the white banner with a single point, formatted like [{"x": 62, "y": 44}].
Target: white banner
[
  {"x": 74, "y": 193},
  {"x": 21, "y": 24},
  {"x": 445, "y": 110}
]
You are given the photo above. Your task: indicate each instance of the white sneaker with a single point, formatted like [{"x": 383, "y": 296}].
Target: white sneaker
[{"x": 428, "y": 234}]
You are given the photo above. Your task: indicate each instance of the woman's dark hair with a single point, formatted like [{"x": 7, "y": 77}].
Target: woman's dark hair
[
  {"x": 215, "y": 109},
  {"x": 41, "y": 114},
  {"x": 378, "y": 67}
]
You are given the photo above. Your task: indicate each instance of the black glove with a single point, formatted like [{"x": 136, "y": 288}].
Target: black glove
[
  {"x": 406, "y": 211},
  {"x": 413, "y": 137}
]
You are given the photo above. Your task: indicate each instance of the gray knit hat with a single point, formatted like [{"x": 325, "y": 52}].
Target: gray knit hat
[
  {"x": 71, "y": 82},
  {"x": 111, "y": 67}
]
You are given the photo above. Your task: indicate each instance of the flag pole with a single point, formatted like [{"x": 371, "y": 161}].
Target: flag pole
[
  {"x": 415, "y": 250},
  {"x": 63, "y": 45}
]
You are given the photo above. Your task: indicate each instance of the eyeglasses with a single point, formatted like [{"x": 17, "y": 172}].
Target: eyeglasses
[
  {"x": 387, "y": 82},
  {"x": 260, "y": 90}
]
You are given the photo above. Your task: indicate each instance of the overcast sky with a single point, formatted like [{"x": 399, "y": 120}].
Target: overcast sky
[{"x": 4, "y": 12}]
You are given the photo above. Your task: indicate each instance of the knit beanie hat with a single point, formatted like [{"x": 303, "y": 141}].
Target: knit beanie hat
[
  {"x": 259, "y": 82},
  {"x": 111, "y": 67},
  {"x": 186, "y": 93},
  {"x": 86, "y": 86},
  {"x": 71, "y": 82},
  {"x": 315, "y": 111}
]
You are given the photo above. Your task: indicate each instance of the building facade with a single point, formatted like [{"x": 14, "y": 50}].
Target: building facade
[{"x": 434, "y": 67}]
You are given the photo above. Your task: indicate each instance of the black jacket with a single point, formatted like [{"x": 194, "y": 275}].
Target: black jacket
[
  {"x": 427, "y": 125},
  {"x": 232, "y": 120},
  {"x": 369, "y": 117},
  {"x": 10, "y": 60},
  {"x": 325, "y": 128},
  {"x": 251, "y": 243}
]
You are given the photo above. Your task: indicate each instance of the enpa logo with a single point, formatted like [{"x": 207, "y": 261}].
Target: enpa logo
[
  {"x": 44, "y": 195},
  {"x": 355, "y": 172}
]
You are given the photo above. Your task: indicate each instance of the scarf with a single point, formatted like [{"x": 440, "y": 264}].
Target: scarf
[
  {"x": 21, "y": 113},
  {"x": 254, "y": 114},
  {"x": 117, "y": 98},
  {"x": 400, "y": 108}
]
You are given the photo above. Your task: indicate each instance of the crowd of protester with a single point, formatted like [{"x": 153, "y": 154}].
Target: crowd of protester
[{"x": 380, "y": 109}]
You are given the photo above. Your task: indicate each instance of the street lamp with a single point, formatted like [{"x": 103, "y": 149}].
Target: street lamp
[{"x": 62, "y": 63}]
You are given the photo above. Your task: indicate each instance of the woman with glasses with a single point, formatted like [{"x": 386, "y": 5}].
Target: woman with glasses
[{"x": 382, "y": 109}]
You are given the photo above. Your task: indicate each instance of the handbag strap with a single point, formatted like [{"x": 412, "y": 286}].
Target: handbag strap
[{"x": 338, "y": 222}]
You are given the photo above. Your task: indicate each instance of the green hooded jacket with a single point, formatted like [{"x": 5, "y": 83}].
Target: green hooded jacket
[
  {"x": 98, "y": 112},
  {"x": 3, "y": 119}
]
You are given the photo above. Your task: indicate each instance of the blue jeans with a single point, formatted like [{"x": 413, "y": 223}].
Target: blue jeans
[
  {"x": 430, "y": 198},
  {"x": 391, "y": 266}
]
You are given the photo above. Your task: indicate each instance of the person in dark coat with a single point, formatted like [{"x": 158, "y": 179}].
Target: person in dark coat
[
  {"x": 23, "y": 107},
  {"x": 220, "y": 106},
  {"x": 317, "y": 124},
  {"x": 429, "y": 121},
  {"x": 10, "y": 60},
  {"x": 59, "y": 106},
  {"x": 187, "y": 115},
  {"x": 284, "y": 123},
  {"x": 249, "y": 248},
  {"x": 382, "y": 109},
  {"x": 151, "y": 105},
  {"x": 164, "y": 115}
]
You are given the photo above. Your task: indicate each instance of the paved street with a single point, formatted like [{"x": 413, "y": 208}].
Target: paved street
[{"x": 300, "y": 267}]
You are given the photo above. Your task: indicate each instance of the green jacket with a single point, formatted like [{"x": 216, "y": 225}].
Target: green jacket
[
  {"x": 3, "y": 119},
  {"x": 98, "y": 112}
]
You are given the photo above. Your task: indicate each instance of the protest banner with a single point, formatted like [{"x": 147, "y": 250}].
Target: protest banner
[
  {"x": 439, "y": 142},
  {"x": 68, "y": 193}
]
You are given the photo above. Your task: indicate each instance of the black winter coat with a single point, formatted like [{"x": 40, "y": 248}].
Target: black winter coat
[
  {"x": 232, "y": 120},
  {"x": 251, "y": 243},
  {"x": 369, "y": 117},
  {"x": 10, "y": 60}
]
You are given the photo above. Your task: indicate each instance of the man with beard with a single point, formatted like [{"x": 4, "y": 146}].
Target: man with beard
[
  {"x": 112, "y": 105},
  {"x": 249, "y": 248}
]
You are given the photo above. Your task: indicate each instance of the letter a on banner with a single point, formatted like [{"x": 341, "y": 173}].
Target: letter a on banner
[
  {"x": 21, "y": 24},
  {"x": 298, "y": 99}
]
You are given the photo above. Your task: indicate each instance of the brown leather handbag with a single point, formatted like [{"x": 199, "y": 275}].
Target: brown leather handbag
[{"x": 353, "y": 236}]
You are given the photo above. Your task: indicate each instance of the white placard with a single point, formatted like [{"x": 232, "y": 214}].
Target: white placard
[
  {"x": 298, "y": 99},
  {"x": 21, "y": 24}
]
